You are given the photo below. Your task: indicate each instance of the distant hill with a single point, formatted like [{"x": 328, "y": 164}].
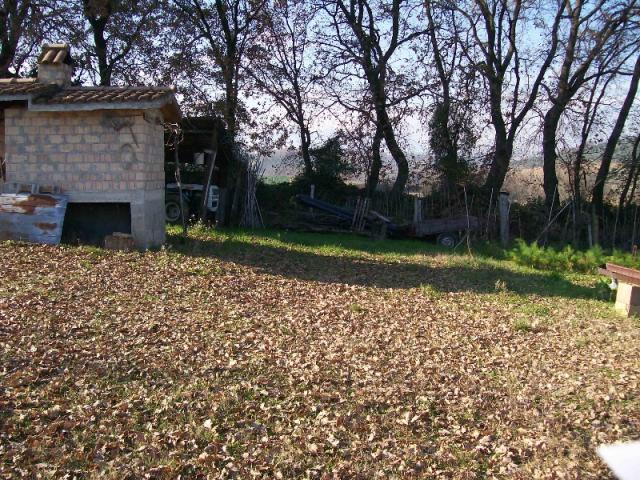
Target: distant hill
[{"x": 593, "y": 152}]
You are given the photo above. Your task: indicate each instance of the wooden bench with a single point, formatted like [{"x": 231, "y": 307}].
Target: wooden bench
[{"x": 628, "y": 294}]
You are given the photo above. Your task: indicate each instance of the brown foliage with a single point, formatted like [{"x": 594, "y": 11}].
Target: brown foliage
[{"x": 154, "y": 365}]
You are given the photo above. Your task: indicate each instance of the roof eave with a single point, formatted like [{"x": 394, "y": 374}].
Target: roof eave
[
  {"x": 167, "y": 106},
  {"x": 13, "y": 98}
]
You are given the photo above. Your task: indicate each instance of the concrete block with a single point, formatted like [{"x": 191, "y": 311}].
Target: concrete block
[
  {"x": 628, "y": 299},
  {"x": 119, "y": 241}
]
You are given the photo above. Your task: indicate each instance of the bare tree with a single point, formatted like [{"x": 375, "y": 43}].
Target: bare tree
[
  {"x": 631, "y": 180},
  {"x": 21, "y": 32},
  {"x": 366, "y": 39},
  {"x": 597, "y": 195},
  {"x": 512, "y": 74},
  {"x": 591, "y": 112},
  {"x": 596, "y": 33},
  {"x": 280, "y": 67},
  {"x": 451, "y": 134},
  {"x": 115, "y": 40},
  {"x": 226, "y": 28}
]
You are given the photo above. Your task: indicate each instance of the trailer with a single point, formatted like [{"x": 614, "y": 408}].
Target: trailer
[{"x": 446, "y": 231}]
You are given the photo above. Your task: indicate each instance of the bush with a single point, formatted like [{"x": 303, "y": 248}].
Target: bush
[{"x": 567, "y": 259}]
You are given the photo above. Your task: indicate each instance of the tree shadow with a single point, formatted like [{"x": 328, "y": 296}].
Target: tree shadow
[{"x": 475, "y": 277}]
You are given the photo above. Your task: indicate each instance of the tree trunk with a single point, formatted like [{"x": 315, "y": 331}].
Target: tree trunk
[
  {"x": 394, "y": 148},
  {"x": 377, "y": 88},
  {"x": 376, "y": 162},
  {"x": 305, "y": 146},
  {"x": 101, "y": 52},
  {"x": 233, "y": 180},
  {"x": 503, "y": 142},
  {"x": 12, "y": 18},
  {"x": 98, "y": 19},
  {"x": 549, "y": 130},
  {"x": 499, "y": 164},
  {"x": 597, "y": 198},
  {"x": 635, "y": 158}
]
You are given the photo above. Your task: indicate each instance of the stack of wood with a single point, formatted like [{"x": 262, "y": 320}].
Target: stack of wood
[
  {"x": 360, "y": 214},
  {"x": 251, "y": 215}
]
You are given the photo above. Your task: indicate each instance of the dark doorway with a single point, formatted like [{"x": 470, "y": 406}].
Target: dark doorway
[{"x": 89, "y": 223}]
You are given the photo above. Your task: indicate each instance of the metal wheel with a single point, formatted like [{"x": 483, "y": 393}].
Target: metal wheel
[
  {"x": 172, "y": 210},
  {"x": 447, "y": 240}
]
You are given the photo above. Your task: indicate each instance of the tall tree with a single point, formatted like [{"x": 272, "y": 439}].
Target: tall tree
[
  {"x": 225, "y": 29},
  {"x": 595, "y": 34},
  {"x": 512, "y": 74},
  {"x": 366, "y": 39},
  {"x": 597, "y": 196},
  {"x": 115, "y": 41},
  {"x": 20, "y": 33},
  {"x": 280, "y": 66},
  {"x": 631, "y": 179},
  {"x": 450, "y": 132}
]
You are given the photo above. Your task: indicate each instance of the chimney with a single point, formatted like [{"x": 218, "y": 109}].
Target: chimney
[{"x": 55, "y": 64}]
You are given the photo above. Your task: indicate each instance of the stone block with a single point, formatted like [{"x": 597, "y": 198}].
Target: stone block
[{"x": 628, "y": 299}]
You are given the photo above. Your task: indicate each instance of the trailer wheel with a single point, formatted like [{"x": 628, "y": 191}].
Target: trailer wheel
[
  {"x": 172, "y": 209},
  {"x": 447, "y": 240}
]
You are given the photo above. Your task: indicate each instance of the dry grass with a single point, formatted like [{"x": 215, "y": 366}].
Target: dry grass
[{"x": 267, "y": 358}]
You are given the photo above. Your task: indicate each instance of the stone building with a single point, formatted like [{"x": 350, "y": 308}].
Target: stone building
[{"x": 101, "y": 146}]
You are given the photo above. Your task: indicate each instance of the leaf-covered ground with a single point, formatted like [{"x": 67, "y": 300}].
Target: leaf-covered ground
[{"x": 302, "y": 357}]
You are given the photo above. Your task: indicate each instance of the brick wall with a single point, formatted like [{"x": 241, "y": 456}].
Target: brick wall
[
  {"x": 55, "y": 73},
  {"x": 84, "y": 151},
  {"x": 94, "y": 157}
]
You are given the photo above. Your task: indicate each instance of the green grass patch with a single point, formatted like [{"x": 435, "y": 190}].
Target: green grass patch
[
  {"x": 329, "y": 244},
  {"x": 522, "y": 325}
]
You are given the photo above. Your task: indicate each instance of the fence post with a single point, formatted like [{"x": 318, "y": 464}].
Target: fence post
[
  {"x": 312, "y": 194},
  {"x": 504, "y": 218},
  {"x": 417, "y": 210}
]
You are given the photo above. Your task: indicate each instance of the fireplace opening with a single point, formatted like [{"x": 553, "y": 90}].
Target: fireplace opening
[{"x": 89, "y": 223}]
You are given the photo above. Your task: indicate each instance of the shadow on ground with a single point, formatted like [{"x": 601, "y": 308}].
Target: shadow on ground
[{"x": 477, "y": 277}]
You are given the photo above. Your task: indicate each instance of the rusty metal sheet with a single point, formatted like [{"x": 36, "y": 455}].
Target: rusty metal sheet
[{"x": 32, "y": 217}]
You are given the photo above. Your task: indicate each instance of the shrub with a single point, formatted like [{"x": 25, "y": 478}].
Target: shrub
[{"x": 567, "y": 259}]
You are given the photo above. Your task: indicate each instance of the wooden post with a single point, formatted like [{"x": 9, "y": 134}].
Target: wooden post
[
  {"x": 417, "y": 210},
  {"x": 211, "y": 165},
  {"x": 222, "y": 208},
  {"x": 179, "y": 183},
  {"x": 312, "y": 194},
  {"x": 633, "y": 232},
  {"x": 504, "y": 218}
]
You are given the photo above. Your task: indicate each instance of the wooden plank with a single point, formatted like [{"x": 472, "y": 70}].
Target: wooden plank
[
  {"x": 36, "y": 218},
  {"x": 621, "y": 277},
  {"x": 631, "y": 272}
]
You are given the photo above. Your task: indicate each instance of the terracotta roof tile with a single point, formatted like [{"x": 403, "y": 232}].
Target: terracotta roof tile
[
  {"x": 45, "y": 97},
  {"x": 55, "y": 53},
  {"x": 22, "y": 86},
  {"x": 75, "y": 95}
]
